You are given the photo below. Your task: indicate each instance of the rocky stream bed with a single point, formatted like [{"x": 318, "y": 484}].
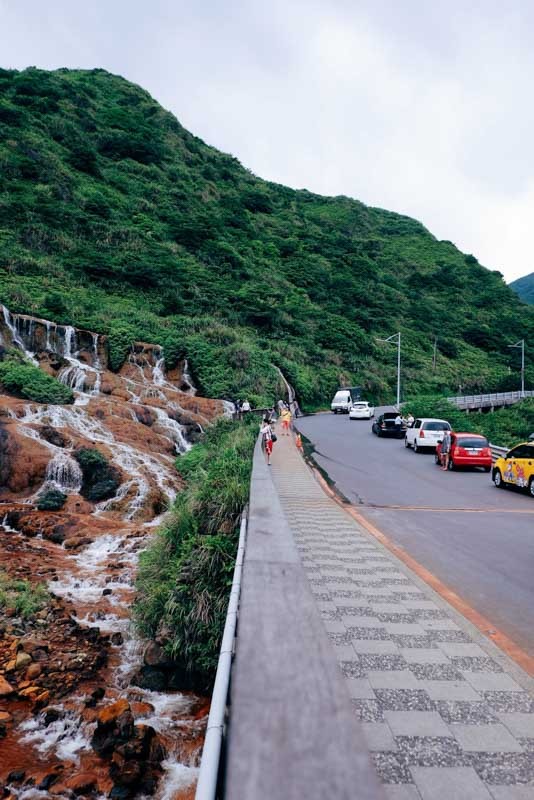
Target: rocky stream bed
[{"x": 87, "y": 709}]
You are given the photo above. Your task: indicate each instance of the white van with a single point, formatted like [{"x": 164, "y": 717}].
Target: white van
[{"x": 342, "y": 401}]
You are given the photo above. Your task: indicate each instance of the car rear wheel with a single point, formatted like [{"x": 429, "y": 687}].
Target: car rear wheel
[
  {"x": 497, "y": 479},
  {"x": 406, "y": 442},
  {"x": 531, "y": 487},
  {"x": 487, "y": 469},
  {"x": 450, "y": 464},
  {"x": 436, "y": 459},
  {"x": 416, "y": 447}
]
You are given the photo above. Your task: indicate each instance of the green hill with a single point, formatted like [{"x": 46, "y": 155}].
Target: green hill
[
  {"x": 524, "y": 287},
  {"x": 115, "y": 218}
]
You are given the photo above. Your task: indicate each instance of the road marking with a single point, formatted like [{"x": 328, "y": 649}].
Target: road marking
[
  {"x": 441, "y": 509},
  {"x": 487, "y": 628}
]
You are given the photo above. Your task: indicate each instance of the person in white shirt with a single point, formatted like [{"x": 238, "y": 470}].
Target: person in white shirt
[{"x": 245, "y": 406}]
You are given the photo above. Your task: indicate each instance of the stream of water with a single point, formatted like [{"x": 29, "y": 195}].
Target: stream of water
[{"x": 109, "y": 562}]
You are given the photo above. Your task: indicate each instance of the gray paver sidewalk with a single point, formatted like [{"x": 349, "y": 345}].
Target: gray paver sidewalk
[{"x": 444, "y": 715}]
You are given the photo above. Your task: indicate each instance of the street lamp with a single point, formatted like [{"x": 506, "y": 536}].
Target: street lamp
[
  {"x": 396, "y": 339},
  {"x": 521, "y": 344}
]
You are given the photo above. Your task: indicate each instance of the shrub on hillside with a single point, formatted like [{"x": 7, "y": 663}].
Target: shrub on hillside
[
  {"x": 22, "y": 596},
  {"x": 51, "y": 500},
  {"x": 185, "y": 575},
  {"x": 100, "y": 479},
  {"x": 28, "y": 381}
]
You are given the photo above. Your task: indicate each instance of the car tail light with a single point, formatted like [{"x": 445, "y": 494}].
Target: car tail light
[
  {"x": 486, "y": 452},
  {"x": 421, "y": 434},
  {"x": 461, "y": 451}
]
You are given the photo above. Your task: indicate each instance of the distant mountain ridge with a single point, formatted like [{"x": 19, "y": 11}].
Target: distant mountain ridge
[
  {"x": 524, "y": 287},
  {"x": 115, "y": 219}
]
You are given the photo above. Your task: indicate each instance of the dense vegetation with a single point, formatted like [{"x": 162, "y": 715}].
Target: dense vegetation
[
  {"x": 504, "y": 427},
  {"x": 524, "y": 287},
  {"x": 115, "y": 218},
  {"x": 185, "y": 576},
  {"x": 20, "y": 595},
  {"x": 23, "y": 379},
  {"x": 100, "y": 479},
  {"x": 51, "y": 500}
]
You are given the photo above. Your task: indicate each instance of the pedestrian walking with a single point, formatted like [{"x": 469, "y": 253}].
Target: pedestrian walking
[
  {"x": 285, "y": 416},
  {"x": 445, "y": 450},
  {"x": 245, "y": 407},
  {"x": 267, "y": 438}
]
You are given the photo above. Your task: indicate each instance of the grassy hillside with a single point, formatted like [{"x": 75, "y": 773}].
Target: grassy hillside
[
  {"x": 524, "y": 287},
  {"x": 114, "y": 217}
]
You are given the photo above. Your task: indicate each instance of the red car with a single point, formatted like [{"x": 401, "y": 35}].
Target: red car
[{"x": 467, "y": 450}]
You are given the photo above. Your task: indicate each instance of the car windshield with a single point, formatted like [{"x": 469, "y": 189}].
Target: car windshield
[
  {"x": 390, "y": 415},
  {"x": 360, "y": 405},
  {"x": 436, "y": 426},
  {"x": 471, "y": 441}
]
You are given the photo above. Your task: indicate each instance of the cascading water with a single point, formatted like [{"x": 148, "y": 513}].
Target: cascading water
[
  {"x": 98, "y": 579},
  {"x": 63, "y": 472},
  {"x": 13, "y": 326}
]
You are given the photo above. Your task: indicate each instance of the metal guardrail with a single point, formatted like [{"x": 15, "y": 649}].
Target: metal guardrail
[
  {"x": 208, "y": 778},
  {"x": 492, "y": 399},
  {"x": 497, "y": 452}
]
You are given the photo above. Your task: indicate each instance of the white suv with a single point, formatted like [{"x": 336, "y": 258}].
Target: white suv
[{"x": 426, "y": 432}]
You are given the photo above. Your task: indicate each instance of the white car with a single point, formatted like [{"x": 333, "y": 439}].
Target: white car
[
  {"x": 361, "y": 410},
  {"x": 426, "y": 432}
]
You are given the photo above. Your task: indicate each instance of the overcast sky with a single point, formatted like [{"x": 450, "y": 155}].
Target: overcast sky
[{"x": 420, "y": 106}]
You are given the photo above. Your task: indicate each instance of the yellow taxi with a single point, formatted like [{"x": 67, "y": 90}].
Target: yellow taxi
[{"x": 516, "y": 468}]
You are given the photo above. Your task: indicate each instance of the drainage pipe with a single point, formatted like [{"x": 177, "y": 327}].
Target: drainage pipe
[{"x": 211, "y": 754}]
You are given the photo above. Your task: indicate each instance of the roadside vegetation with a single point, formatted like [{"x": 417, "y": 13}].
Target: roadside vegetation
[
  {"x": 20, "y": 595},
  {"x": 115, "y": 218},
  {"x": 503, "y": 428},
  {"x": 185, "y": 576},
  {"x": 23, "y": 379}
]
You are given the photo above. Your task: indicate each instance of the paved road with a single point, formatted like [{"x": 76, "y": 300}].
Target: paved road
[{"x": 475, "y": 538}]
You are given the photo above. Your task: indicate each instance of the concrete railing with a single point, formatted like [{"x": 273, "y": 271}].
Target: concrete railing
[
  {"x": 496, "y": 399},
  {"x": 293, "y": 733}
]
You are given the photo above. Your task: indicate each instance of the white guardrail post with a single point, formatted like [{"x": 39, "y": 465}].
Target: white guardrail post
[{"x": 211, "y": 754}]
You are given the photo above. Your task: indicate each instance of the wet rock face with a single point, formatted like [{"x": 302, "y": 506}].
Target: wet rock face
[
  {"x": 22, "y": 463},
  {"x": 134, "y": 752},
  {"x": 56, "y": 668}
]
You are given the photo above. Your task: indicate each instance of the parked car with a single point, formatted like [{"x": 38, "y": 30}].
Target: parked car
[
  {"x": 467, "y": 450},
  {"x": 425, "y": 433},
  {"x": 385, "y": 425},
  {"x": 516, "y": 468},
  {"x": 342, "y": 401},
  {"x": 361, "y": 410}
]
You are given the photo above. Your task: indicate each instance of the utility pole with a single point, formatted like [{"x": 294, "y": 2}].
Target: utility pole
[
  {"x": 521, "y": 344},
  {"x": 395, "y": 338}
]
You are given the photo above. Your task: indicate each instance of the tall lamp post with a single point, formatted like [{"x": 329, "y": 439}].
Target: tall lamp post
[
  {"x": 395, "y": 338},
  {"x": 521, "y": 344}
]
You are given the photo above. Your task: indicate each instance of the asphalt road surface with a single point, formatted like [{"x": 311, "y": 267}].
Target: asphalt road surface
[{"x": 477, "y": 539}]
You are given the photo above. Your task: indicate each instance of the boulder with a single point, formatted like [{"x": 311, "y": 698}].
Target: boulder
[
  {"x": 5, "y": 687},
  {"x": 23, "y": 660},
  {"x": 82, "y": 784},
  {"x": 154, "y": 655},
  {"x": 115, "y": 725},
  {"x": 33, "y": 671}
]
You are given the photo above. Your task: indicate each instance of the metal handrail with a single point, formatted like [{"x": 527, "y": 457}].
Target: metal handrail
[
  {"x": 208, "y": 777},
  {"x": 494, "y": 397}
]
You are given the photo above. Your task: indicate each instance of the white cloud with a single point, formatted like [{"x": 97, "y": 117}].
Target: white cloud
[{"x": 418, "y": 107}]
